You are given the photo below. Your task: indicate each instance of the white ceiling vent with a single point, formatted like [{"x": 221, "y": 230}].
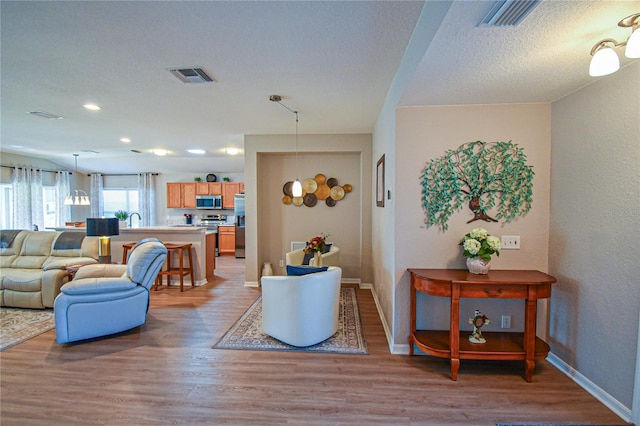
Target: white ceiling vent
[
  {"x": 45, "y": 114},
  {"x": 508, "y": 13},
  {"x": 191, "y": 75}
]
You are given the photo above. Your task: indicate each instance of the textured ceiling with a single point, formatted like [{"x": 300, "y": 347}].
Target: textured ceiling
[
  {"x": 542, "y": 59},
  {"x": 333, "y": 61}
]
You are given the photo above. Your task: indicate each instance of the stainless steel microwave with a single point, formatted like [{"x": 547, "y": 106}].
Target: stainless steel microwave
[{"x": 209, "y": 202}]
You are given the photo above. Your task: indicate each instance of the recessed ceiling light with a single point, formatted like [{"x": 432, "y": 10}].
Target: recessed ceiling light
[
  {"x": 160, "y": 152},
  {"x": 196, "y": 151},
  {"x": 125, "y": 140},
  {"x": 232, "y": 151},
  {"x": 92, "y": 107}
]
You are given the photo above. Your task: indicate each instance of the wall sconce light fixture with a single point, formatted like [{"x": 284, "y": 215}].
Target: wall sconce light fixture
[{"x": 605, "y": 60}]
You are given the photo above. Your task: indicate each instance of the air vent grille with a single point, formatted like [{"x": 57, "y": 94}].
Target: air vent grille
[
  {"x": 508, "y": 13},
  {"x": 45, "y": 114},
  {"x": 191, "y": 75}
]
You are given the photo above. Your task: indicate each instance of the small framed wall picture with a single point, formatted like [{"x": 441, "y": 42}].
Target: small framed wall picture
[{"x": 380, "y": 182}]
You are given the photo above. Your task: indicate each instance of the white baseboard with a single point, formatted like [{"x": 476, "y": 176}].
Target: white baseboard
[
  {"x": 251, "y": 284},
  {"x": 385, "y": 326},
  {"x": 352, "y": 281},
  {"x": 609, "y": 401},
  {"x": 613, "y": 404}
]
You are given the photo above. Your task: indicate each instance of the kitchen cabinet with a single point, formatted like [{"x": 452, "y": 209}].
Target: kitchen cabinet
[
  {"x": 174, "y": 195},
  {"x": 181, "y": 195},
  {"x": 229, "y": 189},
  {"x": 208, "y": 188},
  {"x": 227, "y": 239},
  {"x": 210, "y": 254}
]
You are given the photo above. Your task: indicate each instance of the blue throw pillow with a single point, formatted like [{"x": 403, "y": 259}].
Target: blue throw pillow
[
  {"x": 327, "y": 248},
  {"x": 293, "y": 270}
]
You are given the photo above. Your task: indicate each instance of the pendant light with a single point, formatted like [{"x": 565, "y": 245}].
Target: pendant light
[
  {"x": 80, "y": 198},
  {"x": 296, "y": 189}
]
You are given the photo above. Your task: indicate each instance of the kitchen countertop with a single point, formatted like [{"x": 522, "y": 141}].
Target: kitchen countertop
[{"x": 159, "y": 229}]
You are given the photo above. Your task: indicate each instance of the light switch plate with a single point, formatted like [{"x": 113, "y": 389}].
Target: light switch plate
[{"x": 510, "y": 242}]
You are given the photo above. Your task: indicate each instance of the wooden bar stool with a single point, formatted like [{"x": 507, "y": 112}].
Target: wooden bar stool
[
  {"x": 181, "y": 270},
  {"x": 125, "y": 251}
]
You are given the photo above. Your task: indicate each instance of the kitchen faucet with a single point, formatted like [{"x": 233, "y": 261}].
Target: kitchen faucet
[{"x": 131, "y": 218}]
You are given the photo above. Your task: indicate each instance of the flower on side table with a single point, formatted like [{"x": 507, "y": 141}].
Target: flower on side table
[
  {"x": 478, "y": 247},
  {"x": 478, "y": 243},
  {"x": 316, "y": 244}
]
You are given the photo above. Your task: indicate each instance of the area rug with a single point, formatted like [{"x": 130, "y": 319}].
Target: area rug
[
  {"x": 19, "y": 325},
  {"x": 247, "y": 333}
]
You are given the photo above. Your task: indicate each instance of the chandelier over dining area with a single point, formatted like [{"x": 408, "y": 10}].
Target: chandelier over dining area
[{"x": 77, "y": 197}]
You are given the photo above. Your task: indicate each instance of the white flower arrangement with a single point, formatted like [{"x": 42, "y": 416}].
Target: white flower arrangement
[{"x": 478, "y": 243}]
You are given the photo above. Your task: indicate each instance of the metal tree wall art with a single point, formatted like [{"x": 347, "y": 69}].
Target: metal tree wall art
[{"x": 482, "y": 175}]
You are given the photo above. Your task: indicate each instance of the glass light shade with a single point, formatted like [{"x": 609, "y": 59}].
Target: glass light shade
[
  {"x": 633, "y": 45},
  {"x": 296, "y": 189},
  {"x": 605, "y": 61},
  {"x": 79, "y": 199}
]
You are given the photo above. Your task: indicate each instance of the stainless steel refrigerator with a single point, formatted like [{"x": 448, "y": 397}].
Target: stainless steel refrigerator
[{"x": 238, "y": 211}]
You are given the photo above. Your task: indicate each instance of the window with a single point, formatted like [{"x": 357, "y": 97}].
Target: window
[
  {"x": 6, "y": 198},
  {"x": 119, "y": 199},
  {"x": 49, "y": 205}
]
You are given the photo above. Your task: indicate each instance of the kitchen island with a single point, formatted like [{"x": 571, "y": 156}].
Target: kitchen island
[{"x": 202, "y": 240}]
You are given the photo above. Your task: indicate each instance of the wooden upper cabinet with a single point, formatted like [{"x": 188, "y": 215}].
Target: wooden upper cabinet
[
  {"x": 215, "y": 188},
  {"x": 208, "y": 188},
  {"x": 229, "y": 189},
  {"x": 174, "y": 195},
  {"x": 189, "y": 195},
  {"x": 202, "y": 188},
  {"x": 181, "y": 195}
]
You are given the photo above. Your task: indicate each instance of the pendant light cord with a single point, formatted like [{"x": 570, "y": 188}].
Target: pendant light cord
[{"x": 296, "y": 112}]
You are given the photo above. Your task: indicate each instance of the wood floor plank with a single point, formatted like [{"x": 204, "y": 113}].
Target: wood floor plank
[{"x": 165, "y": 372}]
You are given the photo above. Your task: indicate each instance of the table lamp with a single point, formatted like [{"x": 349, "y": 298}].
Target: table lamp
[{"x": 103, "y": 228}]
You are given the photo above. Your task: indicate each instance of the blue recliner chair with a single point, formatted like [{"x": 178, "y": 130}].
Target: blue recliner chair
[{"x": 106, "y": 299}]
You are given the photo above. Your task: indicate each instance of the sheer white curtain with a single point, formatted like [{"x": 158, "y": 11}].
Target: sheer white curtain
[
  {"x": 96, "y": 196},
  {"x": 147, "y": 198},
  {"x": 63, "y": 213},
  {"x": 27, "y": 198}
]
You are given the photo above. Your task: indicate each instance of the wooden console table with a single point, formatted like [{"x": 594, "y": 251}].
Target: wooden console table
[{"x": 454, "y": 344}]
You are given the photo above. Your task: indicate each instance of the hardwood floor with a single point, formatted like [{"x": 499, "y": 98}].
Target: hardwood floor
[{"x": 165, "y": 372}]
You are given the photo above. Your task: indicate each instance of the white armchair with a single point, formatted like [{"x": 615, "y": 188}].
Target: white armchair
[
  {"x": 301, "y": 310},
  {"x": 330, "y": 258}
]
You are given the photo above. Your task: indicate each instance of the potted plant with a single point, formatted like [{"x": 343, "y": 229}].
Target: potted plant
[
  {"x": 226, "y": 179},
  {"x": 122, "y": 216},
  {"x": 478, "y": 247},
  {"x": 197, "y": 179}
]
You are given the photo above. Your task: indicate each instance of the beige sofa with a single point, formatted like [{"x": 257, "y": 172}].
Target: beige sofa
[{"x": 33, "y": 264}]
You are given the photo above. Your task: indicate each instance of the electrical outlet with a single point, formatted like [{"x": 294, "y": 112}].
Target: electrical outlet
[
  {"x": 506, "y": 321},
  {"x": 510, "y": 242},
  {"x": 281, "y": 263}
]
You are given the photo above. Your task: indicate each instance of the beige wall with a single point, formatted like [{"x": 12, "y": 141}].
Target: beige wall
[
  {"x": 595, "y": 232},
  {"x": 423, "y": 133},
  {"x": 272, "y": 225}
]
